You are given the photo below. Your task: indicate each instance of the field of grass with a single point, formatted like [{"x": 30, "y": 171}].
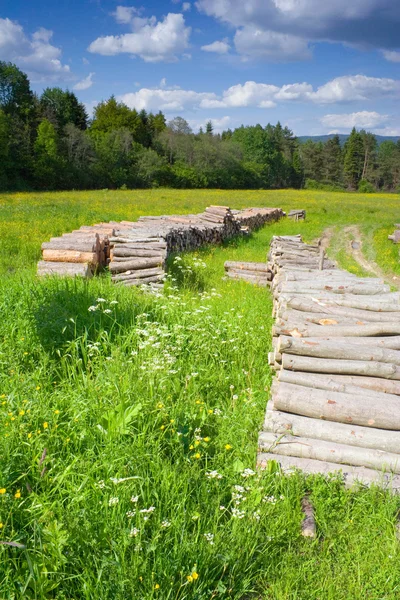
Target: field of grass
[{"x": 128, "y": 422}]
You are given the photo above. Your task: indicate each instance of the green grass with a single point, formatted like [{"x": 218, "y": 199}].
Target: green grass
[{"x": 161, "y": 391}]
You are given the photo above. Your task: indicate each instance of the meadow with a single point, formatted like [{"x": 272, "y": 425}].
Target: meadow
[{"x": 129, "y": 421}]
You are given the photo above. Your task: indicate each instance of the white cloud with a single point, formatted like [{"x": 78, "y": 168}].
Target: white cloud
[
  {"x": 85, "y": 61},
  {"x": 253, "y": 42},
  {"x": 186, "y": 6},
  {"x": 166, "y": 99},
  {"x": 388, "y": 131},
  {"x": 220, "y": 47},
  {"x": 361, "y": 120},
  {"x": 264, "y": 95},
  {"x": 152, "y": 40},
  {"x": 367, "y": 23},
  {"x": 391, "y": 56},
  {"x": 219, "y": 125},
  {"x": 355, "y": 87},
  {"x": 125, "y": 14},
  {"x": 36, "y": 56},
  {"x": 90, "y": 106},
  {"x": 86, "y": 83}
]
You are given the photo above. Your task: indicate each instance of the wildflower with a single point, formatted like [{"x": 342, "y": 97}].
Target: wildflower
[
  {"x": 29, "y": 435},
  {"x": 195, "y": 575},
  {"x": 148, "y": 510},
  {"x": 160, "y": 405},
  {"x": 1, "y": 525},
  {"x": 45, "y": 425},
  {"x": 210, "y": 411},
  {"x": 269, "y": 499},
  {"x": 17, "y": 494},
  {"x": 114, "y": 302},
  {"x": 2, "y": 491},
  {"x": 238, "y": 514},
  {"x": 56, "y": 412},
  {"x": 231, "y": 387},
  {"x": 210, "y": 538},
  {"x": 92, "y": 308},
  {"x": 134, "y": 499},
  {"x": 157, "y": 586},
  {"x": 113, "y": 501},
  {"x": 222, "y": 507},
  {"x": 248, "y": 473},
  {"x": 217, "y": 411},
  {"x": 165, "y": 524},
  {"x": 213, "y": 475},
  {"x": 189, "y": 578},
  {"x": 133, "y": 532},
  {"x": 21, "y": 413},
  {"x": 38, "y": 387},
  {"x": 107, "y": 311},
  {"x": 101, "y": 300},
  {"x": 235, "y": 397},
  {"x": 228, "y": 447}
]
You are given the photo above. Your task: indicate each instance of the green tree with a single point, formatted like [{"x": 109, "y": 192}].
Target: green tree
[
  {"x": 16, "y": 97},
  {"x": 354, "y": 157},
  {"x": 4, "y": 151},
  {"x": 209, "y": 128},
  {"x": 333, "y": 161},
  {"x": 61, "y": 107},
  {"x": 47, "y": 160}
]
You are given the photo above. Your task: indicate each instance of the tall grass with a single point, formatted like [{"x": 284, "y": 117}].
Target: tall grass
[{"x": 128, "y": 432}]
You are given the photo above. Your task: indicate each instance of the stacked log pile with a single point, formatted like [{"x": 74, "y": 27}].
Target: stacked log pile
[
  {"x": 396, "y": 235},
  {"x": 253, "y": 272},
  {"x": 335, "y": 402},
  {"x": 297, "y": 215},
  {"x": 135, "y": 252}
]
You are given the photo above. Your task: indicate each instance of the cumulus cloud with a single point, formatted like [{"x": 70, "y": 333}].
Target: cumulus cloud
[
  {"x": 220, "y": 47},
  {"x": 186, "y": 6},
  {"x": 391, "y": 55},
  {"x": 253, "y": 42},
  {"x": 265, "y": 95},
  {"x": 219, "y": 125},
  {"x": 367, "y": 23},
  {"x": 361, "y": 120},
  {"x": 86, "y": 83},
  {"x": 34, "y": 55},
  {"x": 152, "y": 40}
]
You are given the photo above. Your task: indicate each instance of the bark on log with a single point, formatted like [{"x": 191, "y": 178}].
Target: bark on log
[
  {"x": 70, "y": 256},
  {"x": 334, "y": 383},
  {"x": 352, "y": 476},
  {"x": 310, "y": 306},
  {"x": 340, "y": 367},
  {"x": 340, "y": 433},
  {"x": 143, "y": 281},
  {"x": 371, "y": 383},
  {"x": 337, "y": 350},
  {"x": 292, "y": 316},
  {"x": 356, "y": 288},
  {"x": 307, "y": 447},
  {"x": 126, "y": 252},
  {"x": 336, "y": 406},
  {"x": 64, "y": 269},
  {"x": 308, "y": 527},
  {"x": 366, "y": 330},
  {"x": 247, "y": 266},
  {"x": 139, "y": 274},
  {"x": 383, "y": 303},
  {"x": 134, "y": 265}
]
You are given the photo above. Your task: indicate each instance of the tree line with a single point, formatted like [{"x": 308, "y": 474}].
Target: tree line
[{"x": 48, "y": 142}]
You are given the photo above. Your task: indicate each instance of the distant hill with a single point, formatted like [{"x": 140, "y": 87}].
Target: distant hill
[{"x": 343, "y": 137}]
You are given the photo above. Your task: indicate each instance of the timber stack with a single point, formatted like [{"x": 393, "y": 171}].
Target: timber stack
[
  {"x": 252, "y": 272},
  {"x": 396, "y": 235},
  {"x": 297, "y": 215},
  {"x": 335, "y": 401},
  {"x": 136, "y": 252}
]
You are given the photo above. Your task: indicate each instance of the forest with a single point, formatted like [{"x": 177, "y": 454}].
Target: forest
[{"x": 48, "y": 142}]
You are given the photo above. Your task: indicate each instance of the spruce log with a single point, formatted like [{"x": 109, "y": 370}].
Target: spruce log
[
  {"x": 340, "y": 367},
  {"x": 261, "y": 274},
  {"x": 383, "y": 303},
  {"x": 307, "y": 447},
  {"x": 338, "y": 350},
  {"x": 365, "y": 330},
  {"x": 292, "y": 316},
  {"x": 334, "y": 383},
  {"x": 139, "y": 274},
  {"x": 142, "y": 263},
  {"x": 340, "y": 433},
  {"x": 310, "y": 306},
  {"x": 371, "y": 383},
  {"x": 70, "y": 256},
  {"x": 246, "y": 266},
  {"x": 143, "y": 281},
  {"x": 122, "y": 251},
  {"x": 64, "y": 269},
  {"x": 336, "y": 406},
  {"x": 74, "y": 245},
  {"x": 313, "y": 287},
  {"x": 351, "y": 475}
]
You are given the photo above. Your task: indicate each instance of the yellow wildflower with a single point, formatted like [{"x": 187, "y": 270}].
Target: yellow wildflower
[
  {"x": 2, "y": 491},
  {"x": 1, "y": 525},
  {"x": 21, "y": 413},
  {"x": 56, "y": 412},
  {"x": 206, "y": 439},
  {"x": 191, "y": 447},
  {"x": 196, "y": 443},
  {"x": 38, "y": 387},
  {"x": 195, "y": 575},
  {"x": 197, "y": 455},
  {"x": 29, "y": 435},
  {"x": 45, "y": 425},
  {"x": 172, "y": 421},
  {"x": 17, "y": 494},
  {"x": 157, "y": 586},
  {"x": 3, "y": 396},
  {"x": 160, "y": 405},
  {"x": 210, "y": 411},
  {"x": 228, "y": 447},
  {"x": 189, "y": 578},
  {"x": 162, "y": 427}
]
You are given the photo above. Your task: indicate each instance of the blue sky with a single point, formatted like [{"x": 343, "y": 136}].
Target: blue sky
[{"x": 316, "y": 66}]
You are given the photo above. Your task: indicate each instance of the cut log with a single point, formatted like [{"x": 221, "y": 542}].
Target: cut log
[
  {"x": 337, "y": 350},
  {"x": 247, "y": 266},
  {"x": 307, "y": 447},
  {"x": 143, "y": 263},
  {"x": 336, "y": 406},
  {"x": 70, "y": 256},
  {"x": 340, "y": 433},
  {"x": 356, "y": 288},
  {"x": 351, "y": 475},
  {"x": 138, "y": 274},
  {"x": 340, "y": 367},
  {"x": 127, "y": 252},
  {"x": 334, "y": 383},
  {"x": 63, "y": 269},
  {"x": 142, "y": 281},
  {"x": 311, "y": 306},
  {"x": 364, "y": 330}
]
